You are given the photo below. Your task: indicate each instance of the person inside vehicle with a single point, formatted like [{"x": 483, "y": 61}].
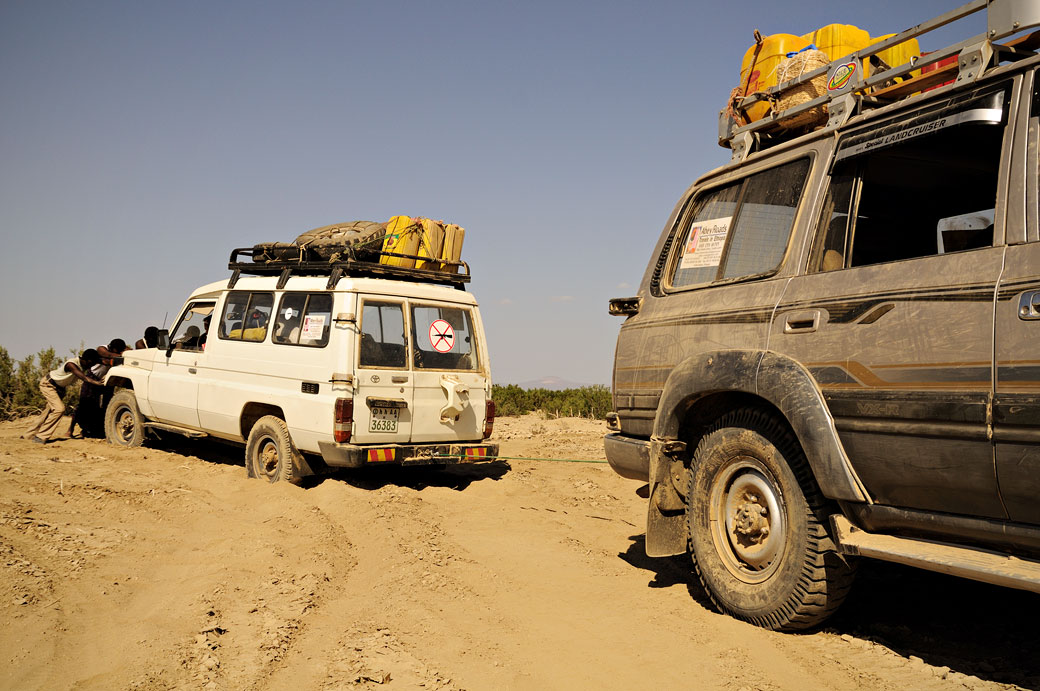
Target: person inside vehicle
[
  {"x": 191, "y": 339},
  {"x": 53, "y": 386}
]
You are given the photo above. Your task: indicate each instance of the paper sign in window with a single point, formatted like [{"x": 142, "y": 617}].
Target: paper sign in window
[
  {"x": 313, "y": 327},
  {"x": 704, "y": 243}
]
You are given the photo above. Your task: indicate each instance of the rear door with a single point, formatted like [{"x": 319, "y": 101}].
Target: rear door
[
  {"x": 450, "y": 378},
  {"x": 1016, "y": 407},
  {"x": 895, "y": 317},
  {"x": 384, "y": 387}
]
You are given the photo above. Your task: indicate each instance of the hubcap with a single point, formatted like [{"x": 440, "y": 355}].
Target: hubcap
[
  {"x": 125, "y": 426},
  {"x": 749, "y": 525},
  {"x": 268, "y": 457}
]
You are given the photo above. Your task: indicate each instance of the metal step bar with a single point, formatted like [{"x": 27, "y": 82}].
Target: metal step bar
[{"x": 975, "y": 563}]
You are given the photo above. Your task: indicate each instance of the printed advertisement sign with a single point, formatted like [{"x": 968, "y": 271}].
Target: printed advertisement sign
[{"x": 704, "y": 243}]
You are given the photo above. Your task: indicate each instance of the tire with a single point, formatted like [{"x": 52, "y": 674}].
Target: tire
[
  {"x": 756, "y": 526},
  {"x": 124, "y": 425},
  {"x": 365, "y": 237},
  {"x": 270, "y": 452}
]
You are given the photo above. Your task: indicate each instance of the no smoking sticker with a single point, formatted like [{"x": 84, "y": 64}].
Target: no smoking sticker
[{"x": 442, "y": 336}]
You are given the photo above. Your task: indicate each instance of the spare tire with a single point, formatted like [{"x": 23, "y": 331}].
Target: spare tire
[{"x": 363, "y": 237}]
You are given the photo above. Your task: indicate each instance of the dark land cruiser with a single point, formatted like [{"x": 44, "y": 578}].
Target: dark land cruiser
[{"x": 835, "y": 348}]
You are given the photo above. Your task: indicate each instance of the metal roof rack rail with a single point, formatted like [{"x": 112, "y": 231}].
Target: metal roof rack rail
[
  {"x": 1004, "y": 18},
  {"x": 303, "y": 264}
]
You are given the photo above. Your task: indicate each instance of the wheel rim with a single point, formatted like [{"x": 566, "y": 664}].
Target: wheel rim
[
  {"x": 126, "y": 426},
  {"x": 267, "y": 458},
  {"x": 748, "y": 520}
]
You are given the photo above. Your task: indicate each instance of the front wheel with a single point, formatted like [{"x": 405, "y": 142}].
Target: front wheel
[
  {"x": 270, "y": 452},
  {"x": 757, "y": 537},
  {"x": 124, "y": 425}
]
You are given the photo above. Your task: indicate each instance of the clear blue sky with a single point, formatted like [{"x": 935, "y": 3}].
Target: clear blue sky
[{"x": 141, "y": 141}]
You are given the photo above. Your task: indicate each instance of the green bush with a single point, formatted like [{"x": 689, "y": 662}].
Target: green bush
[
  {"x": 588, "y": 401},
  {"x": 20, "y": 383}
]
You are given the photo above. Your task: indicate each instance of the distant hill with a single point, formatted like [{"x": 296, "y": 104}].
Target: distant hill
[{"x": 551, "y": 383}]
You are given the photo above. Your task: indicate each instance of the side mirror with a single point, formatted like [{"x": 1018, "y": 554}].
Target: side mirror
[{"x": 163, "y": 340}]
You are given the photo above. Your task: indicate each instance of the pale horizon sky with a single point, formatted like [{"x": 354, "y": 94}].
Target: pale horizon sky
[{"x": 140, "y": 142}]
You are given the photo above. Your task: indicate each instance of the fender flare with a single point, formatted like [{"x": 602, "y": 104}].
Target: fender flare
[
  {"x": 775, "y": 378},
  {"x": 138, "y": 379}
]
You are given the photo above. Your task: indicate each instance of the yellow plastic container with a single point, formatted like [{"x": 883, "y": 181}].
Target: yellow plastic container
[
  {"x": 899, "y": 54},
  {"x": 431, "y": 244},
  {"x": 758, "y": 71},
  {"x": 451, "y": 251},
  {"x": 839, "y": 40},
  {"x": 402, "y": 237}
]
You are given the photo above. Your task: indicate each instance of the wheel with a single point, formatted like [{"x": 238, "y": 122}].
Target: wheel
[
  {"x": 124, "y": 425},
  {"x": 757, "y": 536},
  {"x": 270, "y": 453}
]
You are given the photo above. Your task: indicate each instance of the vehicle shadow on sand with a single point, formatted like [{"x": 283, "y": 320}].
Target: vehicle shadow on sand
[
  {"x": 417, "y": 477},
  {"x": 972, "y": 628},
  {"x": 454, "y": 476}
]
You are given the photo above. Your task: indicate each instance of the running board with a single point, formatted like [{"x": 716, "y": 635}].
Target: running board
[
  {"x": 186, "y": 431},
  {"x": 975, "y": 563}
]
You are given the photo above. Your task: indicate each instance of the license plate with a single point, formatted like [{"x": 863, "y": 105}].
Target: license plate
[{"x": 383, "y": 420}]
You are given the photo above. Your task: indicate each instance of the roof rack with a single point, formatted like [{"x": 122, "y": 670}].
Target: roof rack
[
  {"x": 975, "y": 56},
  {"x": 302, "y": 264}
]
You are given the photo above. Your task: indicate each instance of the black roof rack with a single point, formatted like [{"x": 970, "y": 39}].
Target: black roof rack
[
  {"x": 975, "y": 56},
  {"x": 295, "y": 261}
]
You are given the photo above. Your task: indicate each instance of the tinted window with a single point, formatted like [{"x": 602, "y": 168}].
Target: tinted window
[{"x": 741, "y": 229}]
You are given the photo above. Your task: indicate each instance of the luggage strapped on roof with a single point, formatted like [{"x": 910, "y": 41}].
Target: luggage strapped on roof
[
  {"x": 301, "y": 264},
  {"x": 857, "y": 93}
]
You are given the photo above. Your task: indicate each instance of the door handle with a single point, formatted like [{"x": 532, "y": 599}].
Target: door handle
[
  {"x": 192, "y": 370},
  {"x": 801, "y": 322},
  {"x": 1029, "y": 306},
  {"x": 399, "y": 379}
]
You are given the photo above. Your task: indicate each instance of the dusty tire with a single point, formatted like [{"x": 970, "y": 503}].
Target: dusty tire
[
  {"x": 757, "y": 536},
  {"x": 270, "y": 453},
  {"x": 124, "y": 425}
]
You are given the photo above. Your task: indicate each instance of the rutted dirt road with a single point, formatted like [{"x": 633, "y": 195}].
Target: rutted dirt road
[{"x": 166, "y": 568}]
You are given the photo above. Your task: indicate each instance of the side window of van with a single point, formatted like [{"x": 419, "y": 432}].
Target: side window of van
[
  {"x": 246, "y": 316},
  {"x": 303, "y": 319},
  {"x": 914, "y": 188},
  {"x": 383, "y": 338},
  {"x": 741, "y": 229}
]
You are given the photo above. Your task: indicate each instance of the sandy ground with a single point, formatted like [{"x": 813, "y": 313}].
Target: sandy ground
[{"x": 166, "y": 568}]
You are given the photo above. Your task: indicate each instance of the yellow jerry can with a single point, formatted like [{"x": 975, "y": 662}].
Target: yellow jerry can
[
  {"x": 431, "y": 244},
  {"x": 402, "y": 237},
  {"x": 758, "y": 71}
]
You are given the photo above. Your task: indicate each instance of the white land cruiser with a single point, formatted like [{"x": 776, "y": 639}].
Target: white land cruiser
[{"x": 317, "y": 364}]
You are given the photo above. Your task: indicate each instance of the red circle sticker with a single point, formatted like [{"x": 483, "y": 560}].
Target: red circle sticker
[{"x": 442, "y": 336}]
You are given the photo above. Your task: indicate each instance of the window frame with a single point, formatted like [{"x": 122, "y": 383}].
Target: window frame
[
  {"x": 414, "y": 336},
  {"x": 303, "y": 313},
  {"x": 249, "y": 305},
  {"x": 922, "y": 117},
  {"x": 681, "y": 228},
  {"x": 385, "y": 300}
]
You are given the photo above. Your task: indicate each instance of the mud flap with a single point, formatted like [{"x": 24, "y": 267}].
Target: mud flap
[{"x": 666, "y": 533}]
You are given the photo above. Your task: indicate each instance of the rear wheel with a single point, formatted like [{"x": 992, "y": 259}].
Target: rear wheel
[
  {"x": 124, "y": 425},
  {"x": 757, "y": 537},
  {"x": 270, "y": 453}
]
